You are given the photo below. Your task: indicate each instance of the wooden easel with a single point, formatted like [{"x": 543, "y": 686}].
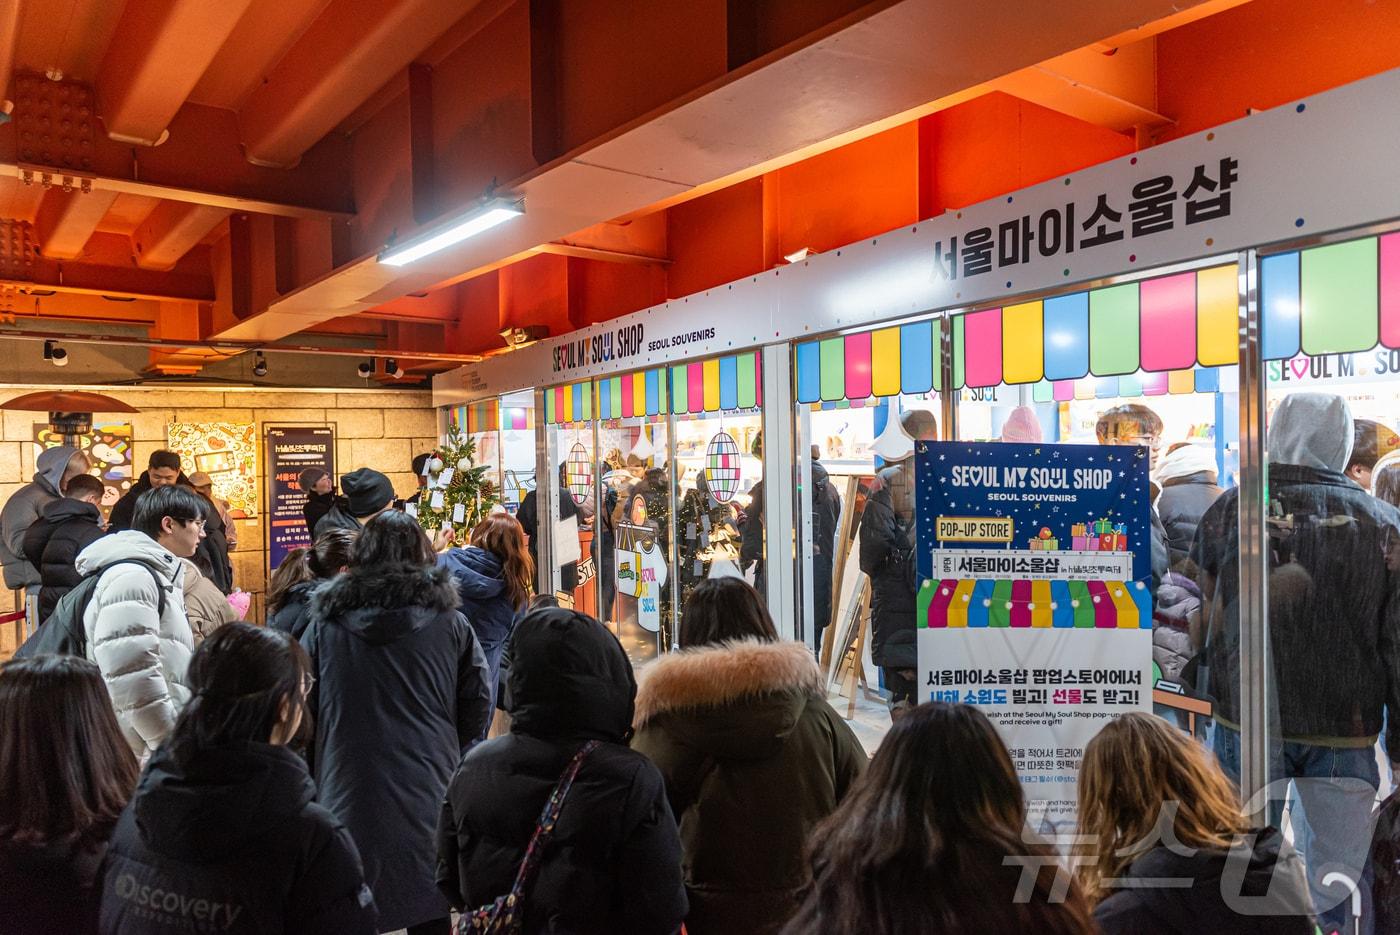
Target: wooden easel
[
  {"x": 845, "y": 538},
  {"x": 851, "y": 670}
]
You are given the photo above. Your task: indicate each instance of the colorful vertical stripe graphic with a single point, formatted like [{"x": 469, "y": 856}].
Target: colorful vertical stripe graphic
[
  {"x": 1030, "y": 605},
  {"x": 712, "y": 385},
  {"x": 1176, "y": 323},
  {"x": 1337, "y": 298}
]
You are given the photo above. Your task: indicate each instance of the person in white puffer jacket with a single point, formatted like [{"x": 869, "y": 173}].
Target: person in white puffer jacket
[{"x": 142, "y": 651}]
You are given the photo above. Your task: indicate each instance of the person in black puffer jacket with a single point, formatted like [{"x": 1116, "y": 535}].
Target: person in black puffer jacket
[
  {"x": 401, "y": 694},
  {"x": 1210, "y": 872},
  {"x": 614, "y": 865},
  {"x": 224, "y": 834},
  {"x": 65, "y": 527},
  {"x": 886, "y": 541},
  {"x": 1188, "y": 479},
  {"x": 300, "y": 574}
]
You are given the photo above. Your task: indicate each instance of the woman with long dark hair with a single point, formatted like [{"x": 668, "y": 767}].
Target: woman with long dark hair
[
  {"x": 223, "y": 833},
  {"x": 753, "y": 757},
  {"x": 401, "y": 694},
  {"x": 494, "y": 576},
  {"x": 301, "y": 573},
  {"x": 67, "y": 774},
  {"x": 1153, "y": 806},
  {"x": 931, "y": 841}
]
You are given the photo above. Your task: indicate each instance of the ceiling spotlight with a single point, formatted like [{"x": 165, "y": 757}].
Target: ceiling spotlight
[
  {"x": 55, "y": 354},
  {"x": 481, "y": 218},
  {"x": 392, "y": 368},
  {"x": 365, "y": 369}
]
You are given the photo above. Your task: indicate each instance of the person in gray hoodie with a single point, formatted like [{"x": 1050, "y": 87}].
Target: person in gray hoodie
[
  {"x": 1334, "y": 640},
  {"x": 53, "y": 469}
]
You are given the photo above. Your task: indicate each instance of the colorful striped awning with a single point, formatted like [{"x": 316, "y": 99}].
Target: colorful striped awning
[
  {"x": 1168, "y": 324},
  {"x": 1173, "y": 382},
  {"x": 490, "y": 416},
  {"x": 1334, "y": 299},
  {"x": 719, "y": 383},
  {"x": 885, "y": 362},
  {"x": 1161, "y": 325}
]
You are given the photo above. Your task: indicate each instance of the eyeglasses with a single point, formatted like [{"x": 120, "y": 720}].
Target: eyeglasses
[
  {"x": 197, "y": 522},
  {"x": 307, "y": 683},
  {"x": 1151, "y": 441}
]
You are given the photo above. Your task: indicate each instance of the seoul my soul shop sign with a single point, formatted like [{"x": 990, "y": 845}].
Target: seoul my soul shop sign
[{"x": 1035, "y": 599}]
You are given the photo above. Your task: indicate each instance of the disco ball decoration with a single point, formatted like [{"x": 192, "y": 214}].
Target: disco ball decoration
[
  {"x": 722, "y": 467},
  {"x": 578, "y": 473}
]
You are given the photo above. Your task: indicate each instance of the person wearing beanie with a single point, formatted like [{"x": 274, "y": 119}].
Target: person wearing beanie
[
  {"x": 320, "y": 495},
  {"x": 365, "y": 494},
  {"x": 1189, "y": 486},
  {"x": 886, "y": 552},
  {"x": 162, "y": 470},
  {"x": 1022, "y": 427}
]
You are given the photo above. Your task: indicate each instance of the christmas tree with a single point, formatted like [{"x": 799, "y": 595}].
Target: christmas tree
[{"x": 458, "y": 495}]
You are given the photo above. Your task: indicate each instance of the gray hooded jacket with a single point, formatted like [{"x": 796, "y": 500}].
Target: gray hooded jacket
[
  {"x": 1334, "y": 604},
  {"x": 23, "y": 508}
]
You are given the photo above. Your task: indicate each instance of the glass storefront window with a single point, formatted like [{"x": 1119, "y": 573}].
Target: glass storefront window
[
  {"x": 573, "y": 475},
  {"x": 1331, "y": 403}
]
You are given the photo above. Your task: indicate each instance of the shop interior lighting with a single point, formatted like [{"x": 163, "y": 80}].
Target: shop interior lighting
[
  {"x": 260, "y": 365},
  {"x": 392, "y": 368},
  {"x": 365, "y": 369},
  {"x": 55, "y": 354},
  {"x": 797, "y": 256},
  {"x": 481, "y": 219}
]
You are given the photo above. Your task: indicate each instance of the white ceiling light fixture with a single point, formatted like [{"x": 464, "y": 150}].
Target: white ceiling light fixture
[
  {"x": 480, "y": 219},
  {"x": 797, "y": 256}
]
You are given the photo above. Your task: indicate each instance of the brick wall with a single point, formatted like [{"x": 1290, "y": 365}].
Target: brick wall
[{"x": 382, "y": 429}]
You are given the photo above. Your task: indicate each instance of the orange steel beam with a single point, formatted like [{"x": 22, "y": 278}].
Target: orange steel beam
[
  {"x": 159, "y": 51},
  {"x": 333, "y": 69},
  {"x": 68, "y": 219},
  {"x": 170, "y": 231},
  {"x": 233, "y": 348},
  {"x": 202, "y": 163}
]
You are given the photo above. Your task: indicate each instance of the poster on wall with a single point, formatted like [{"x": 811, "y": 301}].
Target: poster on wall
[
  {"x": 108, "y": 446},
  {"x": 227, "y": 452},
  {"x": 1035, "y": 598},
  {"x": 292, "y": 449}
]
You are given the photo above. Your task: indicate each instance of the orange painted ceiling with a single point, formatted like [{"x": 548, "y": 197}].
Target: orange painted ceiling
[{"x": 209, "y": 171}]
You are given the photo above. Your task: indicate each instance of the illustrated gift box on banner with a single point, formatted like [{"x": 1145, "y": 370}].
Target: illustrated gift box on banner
[
  {"x": 1044, "y": 542},
  {"x": 986, "y": 602}
]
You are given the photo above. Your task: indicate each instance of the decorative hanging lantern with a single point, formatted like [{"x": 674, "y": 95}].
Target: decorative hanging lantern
[
  {"x": 578, "y": 473},
  {"x": 722, "y": 467}
]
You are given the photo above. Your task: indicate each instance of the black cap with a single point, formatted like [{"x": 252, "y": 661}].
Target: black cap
[{"x": 367, "y": 490}]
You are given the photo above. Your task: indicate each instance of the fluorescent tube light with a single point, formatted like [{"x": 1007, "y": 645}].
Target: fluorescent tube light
[{"x": 483, "y": 219}]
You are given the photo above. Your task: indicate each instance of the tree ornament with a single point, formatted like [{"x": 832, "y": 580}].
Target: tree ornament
[{"x": 468, "y": 495}]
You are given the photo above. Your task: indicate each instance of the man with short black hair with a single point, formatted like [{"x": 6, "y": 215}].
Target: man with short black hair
[
  {"x": 136, "y": 628},
  {"x": 65, "y": 527},
  {"x": 162, "y": 470},
  {"x": 420, "y": 463},
  {"x": 365, "y": 494}
]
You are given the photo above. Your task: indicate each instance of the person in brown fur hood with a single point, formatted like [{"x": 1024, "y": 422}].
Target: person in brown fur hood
[{"x": 752, "y": 754}]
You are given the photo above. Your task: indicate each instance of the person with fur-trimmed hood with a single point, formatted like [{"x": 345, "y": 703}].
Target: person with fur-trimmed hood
[
  {"x": 401, "y": 692},
  {"x": 752, "y": 754}
]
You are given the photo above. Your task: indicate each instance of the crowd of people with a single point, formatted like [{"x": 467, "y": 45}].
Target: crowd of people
[{"x": 175, "y": 769}]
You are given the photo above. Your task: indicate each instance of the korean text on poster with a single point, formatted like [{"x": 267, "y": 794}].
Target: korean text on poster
[
  {"x": 1035, "y": 598},
  {"x": 292, "y": 449}
]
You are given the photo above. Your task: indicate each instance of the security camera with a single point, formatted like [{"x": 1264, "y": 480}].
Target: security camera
[
  {"x": 55, "y": 354},
  {"x": 519, "y": 337},
  {"x": 260, "y": 366}
]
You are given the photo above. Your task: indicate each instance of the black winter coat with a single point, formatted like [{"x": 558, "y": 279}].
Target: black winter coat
[
  {"x": 886, "y": 531},
  {"x": 232, "y": 843},
  {"x": 317, "y": 506},
  {"x": 614, "y": 864},
  {"x": 295, "y": 613},
  {"x": 826, "y": 518},
  {"x": 401, "y": 692},
  {"x": 1183, "y": 502},
  {"x": 1270, "y": 887},
  {"x": 65, "y": 527},
  {"x": 50, "y": 889},
  {"x": 529, "y": 517},
  {"x": 1334, "y": 606}
]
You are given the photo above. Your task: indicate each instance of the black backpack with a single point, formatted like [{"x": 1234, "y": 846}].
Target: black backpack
[{"x": 63, "y": 632}]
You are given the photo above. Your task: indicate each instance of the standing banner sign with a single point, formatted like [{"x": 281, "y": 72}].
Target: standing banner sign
[
  {"x": 1035, "y": 597},
  {"x": 291, "y": 450}
]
